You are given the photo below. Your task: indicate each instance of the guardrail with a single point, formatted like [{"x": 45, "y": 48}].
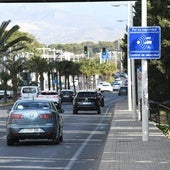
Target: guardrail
[{"x": 159, "y": 113}]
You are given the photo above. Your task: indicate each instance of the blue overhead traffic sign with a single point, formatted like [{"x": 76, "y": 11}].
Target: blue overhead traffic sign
[
  {"x": 144, "y": 42},
  {"x": 105, "y": 56}
]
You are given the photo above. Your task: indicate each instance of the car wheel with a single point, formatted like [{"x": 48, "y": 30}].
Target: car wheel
[
  {"x": 75, "y": 111},
  {"x": 56, "y": 139},
  {"x": 61, "y": 138},
  {"x": 99, "y": 111},
  {"x": 102, "y": 103},
  {"x": 11, "y": 142}
]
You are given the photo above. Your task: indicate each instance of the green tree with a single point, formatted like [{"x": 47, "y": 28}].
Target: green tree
[
  {"x": 107, "y": 69},
  {"x": 5, "y": 77},
  {"x": 15, "y": 65},
  {"x": 10, "y": 45},
  {"x": 39, "y": 66},
  {"x": 158, "y": 14}
]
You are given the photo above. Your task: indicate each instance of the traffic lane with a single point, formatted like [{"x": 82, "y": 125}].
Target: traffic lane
[
  {"x": 89, "y": 132},
  {"x": 84, "y": 138}
]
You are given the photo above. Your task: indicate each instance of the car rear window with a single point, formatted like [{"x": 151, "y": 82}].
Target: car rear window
[
  {"x": 49, "y": 93},
  {"x": 29, "y": 90},
  {"x": 32, "y": 105},
  {"x": 87, "y": 94},
  {"x": 66, "y": 92},
  {"x": 123, "y": 88}
]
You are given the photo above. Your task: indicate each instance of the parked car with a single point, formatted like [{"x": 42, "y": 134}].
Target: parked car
[
  {"x": 9, "y": 94},
  {"x": 53, "y": 95},
  {"x": 106, "y": 87},
  {"x": 123, "y": 90},
  {"x": 67, "y": 95},
  {"x": 34, "y": 119},
  {"x": 87, "y": 100}
]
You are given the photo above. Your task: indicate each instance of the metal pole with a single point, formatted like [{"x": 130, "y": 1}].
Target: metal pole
[
  {"x": 145, "y": 116},
  {"x": 133, "y": 70},
  {"x": 129, "y": 64}
]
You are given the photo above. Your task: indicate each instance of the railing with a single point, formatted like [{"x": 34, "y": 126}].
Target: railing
[{"x": 159, "y": 113}]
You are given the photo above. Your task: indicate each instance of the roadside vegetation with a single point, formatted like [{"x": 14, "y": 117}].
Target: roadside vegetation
[
  {"x": 15, "y": 46},
  {"x": 165, "y": 129}
]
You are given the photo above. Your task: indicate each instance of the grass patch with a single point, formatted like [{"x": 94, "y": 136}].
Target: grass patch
[{"x": 165, "y": 129}]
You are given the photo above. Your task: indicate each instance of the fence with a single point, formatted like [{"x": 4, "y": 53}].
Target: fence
[{"x": 159, "y": 113}]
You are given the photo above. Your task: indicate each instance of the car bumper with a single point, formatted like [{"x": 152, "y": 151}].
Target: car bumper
[{"x": 34, "y": 132}]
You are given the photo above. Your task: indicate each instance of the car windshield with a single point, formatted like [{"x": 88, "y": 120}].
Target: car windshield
[
  {"x": 31, "y": 105},
  {"x": 87, "y": 94}
]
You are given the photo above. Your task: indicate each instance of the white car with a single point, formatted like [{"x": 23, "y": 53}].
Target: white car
[
  {"x": 106, "y": 87},
  {"x": 29, "y": 92},
  {"x": 52, "y": 95},
  {"x": 116, "y": 86},
  {"x": 99, "y": 85}
]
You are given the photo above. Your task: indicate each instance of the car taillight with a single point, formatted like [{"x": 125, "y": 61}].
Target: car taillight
[
  {"x": 46, "y": 116},
  {"x": 16, "y": 116}
]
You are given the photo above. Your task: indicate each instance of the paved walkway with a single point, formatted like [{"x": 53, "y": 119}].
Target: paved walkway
[{"x": 125, "y": 150}]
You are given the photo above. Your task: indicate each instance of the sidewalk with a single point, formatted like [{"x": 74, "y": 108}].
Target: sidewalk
[{"x": 125, "y": 150}]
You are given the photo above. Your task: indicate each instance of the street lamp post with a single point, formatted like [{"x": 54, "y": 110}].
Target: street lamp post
[{"x": 130, "y": 66}]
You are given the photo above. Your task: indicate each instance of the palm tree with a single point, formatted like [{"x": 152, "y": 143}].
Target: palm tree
[
  {"x": 39, "y": 65},
  {"x": 15, "y": 65},
  {"x": 65, "y": 71},
  {"x": 5, "y": 77},
  {"x": 9, "y": 46},
  {"x": 75, "y": 70}
]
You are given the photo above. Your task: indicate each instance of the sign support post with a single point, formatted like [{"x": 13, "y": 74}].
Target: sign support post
[
  {"x": 144, "y": 43},
  {"x": 145, "y": 110}
]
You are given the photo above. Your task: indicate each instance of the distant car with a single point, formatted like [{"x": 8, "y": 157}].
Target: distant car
[
  {"x": 53, "y": 95},
  {"x": 123, "y": 90},
  {"x": 34, "y": 119},
  {"x": 116, "y": 86},
  {"x": 87, "y": 100},
  {"x": 29, "y": 92},
  {"x": 99, "y": 85},
  {"x": 106, "y": 87},
  {"x": 67, "y": 95},
  {"x": 9, "y": 94}
]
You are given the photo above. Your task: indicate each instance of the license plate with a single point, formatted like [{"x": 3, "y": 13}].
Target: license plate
[
  {"x": 31, "y": 130},
  {"x": 86, "y": 103}
]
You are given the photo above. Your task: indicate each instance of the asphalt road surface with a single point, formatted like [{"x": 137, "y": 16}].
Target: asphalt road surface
[{"x": 84, "y": 139}]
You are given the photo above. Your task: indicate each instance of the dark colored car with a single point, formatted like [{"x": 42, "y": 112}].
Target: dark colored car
[
  {"x": 34, "y": 119},
  {"x": 123, "y": 91},
  {"x": 88, "y": 100},
  {"x": 67, "y": 95}
]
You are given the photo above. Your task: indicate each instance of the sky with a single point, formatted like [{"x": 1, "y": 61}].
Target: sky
[{"x": 74, "y": 22}]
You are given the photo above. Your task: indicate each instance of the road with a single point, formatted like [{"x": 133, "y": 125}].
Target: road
[{"x": 84, "y": 139}]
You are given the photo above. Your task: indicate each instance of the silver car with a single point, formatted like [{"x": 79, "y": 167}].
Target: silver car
[{"x": 34, "y": 119}]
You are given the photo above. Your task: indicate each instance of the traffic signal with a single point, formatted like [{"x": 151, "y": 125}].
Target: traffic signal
[
  {"x": 85, "y": 50},
  {"x": 103, "y": 51}
]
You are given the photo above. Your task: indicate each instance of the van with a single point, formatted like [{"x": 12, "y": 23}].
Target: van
[{"x": 29, "y": 92}]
